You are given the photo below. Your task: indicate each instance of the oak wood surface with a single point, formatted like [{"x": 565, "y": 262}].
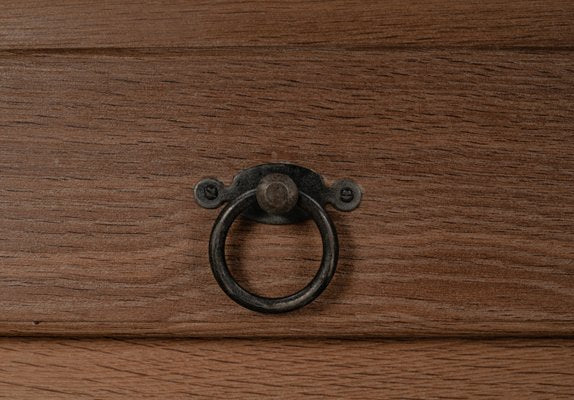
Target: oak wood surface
[
  {"x": 454, "y": 116},
  {"x": 466, "y": 158},
  {"x": 112, "y": 369},
  {"x": 179, "y": 23}
]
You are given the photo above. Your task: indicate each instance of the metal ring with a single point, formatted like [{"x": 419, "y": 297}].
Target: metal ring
[{"x": 276, "y": 304}]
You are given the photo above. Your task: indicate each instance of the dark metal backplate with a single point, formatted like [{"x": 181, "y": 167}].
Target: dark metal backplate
[{"x": 344, "y": 195}]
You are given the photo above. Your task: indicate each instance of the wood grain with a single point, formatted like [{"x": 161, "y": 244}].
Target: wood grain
[
  {"x": 112, "y": 369},
  {"x": 179, "y": 23},
  {"x": 466, "y": 159}
]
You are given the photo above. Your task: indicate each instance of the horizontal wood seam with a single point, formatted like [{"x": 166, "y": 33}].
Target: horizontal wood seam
[{"x": 298, "y": 48}]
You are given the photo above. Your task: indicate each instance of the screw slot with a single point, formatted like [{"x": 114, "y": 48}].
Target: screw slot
[
  {"x": 347, "y": 195},
  {"x": 211, "y": 192}
]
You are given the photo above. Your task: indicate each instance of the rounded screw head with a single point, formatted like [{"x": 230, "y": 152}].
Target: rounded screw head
[
  {"x": 345, "y": 195},
  {"x": 209, "y": 193},
  {"x": 277, "y": 194}
]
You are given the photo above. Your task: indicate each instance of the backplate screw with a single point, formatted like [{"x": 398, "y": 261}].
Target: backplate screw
[
  {"x": 347, "y": 195},
  {"x": 211, "y": 192}
]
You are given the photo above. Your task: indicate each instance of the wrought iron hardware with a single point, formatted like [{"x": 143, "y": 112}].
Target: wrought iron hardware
[{"x": 276, "y": 194}]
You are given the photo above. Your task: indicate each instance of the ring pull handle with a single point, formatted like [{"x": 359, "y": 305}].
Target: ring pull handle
[{"x": 276, "y": 194}]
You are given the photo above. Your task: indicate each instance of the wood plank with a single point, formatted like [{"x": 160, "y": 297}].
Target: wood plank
[
  {"x": 466, "y": 159},
  {"x": 182, "y": 23},
  {"x": 90, "y": 369}
]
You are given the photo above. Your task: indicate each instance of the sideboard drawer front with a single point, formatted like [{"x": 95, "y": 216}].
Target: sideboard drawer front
[{"x": 466, "y": 160}]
